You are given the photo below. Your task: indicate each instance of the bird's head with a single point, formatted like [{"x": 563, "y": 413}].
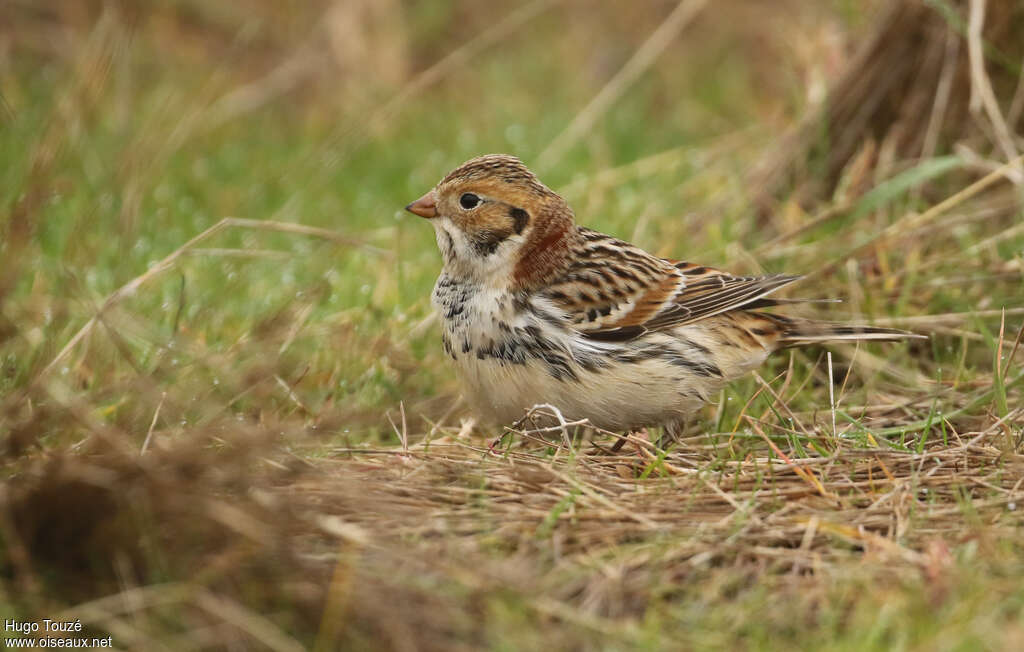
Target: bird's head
[{"x": 498, "y": 225}]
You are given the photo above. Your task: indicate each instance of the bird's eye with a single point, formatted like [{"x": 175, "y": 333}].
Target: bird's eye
[{"x": 469, "y": 201}]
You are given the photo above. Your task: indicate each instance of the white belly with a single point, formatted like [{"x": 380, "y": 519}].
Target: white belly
[{"x": 621, "y": 397}]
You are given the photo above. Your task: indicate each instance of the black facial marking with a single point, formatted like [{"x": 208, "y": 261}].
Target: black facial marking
[
  {"x": 519, "y": 219},
  {"x": 486, "y": 241}
]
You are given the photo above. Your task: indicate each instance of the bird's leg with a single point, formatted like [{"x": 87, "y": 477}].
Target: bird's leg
[
  {"x": 619, "y": 443},
  {"x": 623, "y": 438},
  {"x": 671, "y": 433}
]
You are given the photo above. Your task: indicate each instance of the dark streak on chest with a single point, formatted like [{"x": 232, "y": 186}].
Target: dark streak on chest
[
  {"x": 673, "y": 355},
  {"x": 511, "y": 343}
]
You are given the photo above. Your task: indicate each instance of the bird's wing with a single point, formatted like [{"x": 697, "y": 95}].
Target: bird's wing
[{"x": 614, "y": 291}]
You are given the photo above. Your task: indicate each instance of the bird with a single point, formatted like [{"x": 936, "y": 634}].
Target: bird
[{"x": 538, "y": 310}]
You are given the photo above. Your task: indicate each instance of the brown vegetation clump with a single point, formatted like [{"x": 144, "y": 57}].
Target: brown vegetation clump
[{"x": 922, "y": 81}]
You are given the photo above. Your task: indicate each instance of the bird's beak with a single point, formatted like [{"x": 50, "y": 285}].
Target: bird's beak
[{"x": 425, "y": 206}]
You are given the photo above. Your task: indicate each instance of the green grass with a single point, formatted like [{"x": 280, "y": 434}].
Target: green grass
[{"x": 262, "y": 362}]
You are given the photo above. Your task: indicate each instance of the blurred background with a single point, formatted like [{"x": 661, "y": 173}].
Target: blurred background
[
  {"x": 696, "y": 131},
  {"x": 823, "y": 138}
]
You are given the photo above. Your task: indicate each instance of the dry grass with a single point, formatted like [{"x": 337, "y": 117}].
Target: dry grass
[{"x": 415, "y": 547}]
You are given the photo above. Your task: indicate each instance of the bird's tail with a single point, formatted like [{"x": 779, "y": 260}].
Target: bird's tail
[{"x": 800, "y": 332}]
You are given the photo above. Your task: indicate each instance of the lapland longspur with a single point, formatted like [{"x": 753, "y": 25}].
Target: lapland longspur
[{"x": 535, "y": 309}]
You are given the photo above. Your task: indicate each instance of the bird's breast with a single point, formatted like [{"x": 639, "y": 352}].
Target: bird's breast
[{"x": 491, "y": 325}]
